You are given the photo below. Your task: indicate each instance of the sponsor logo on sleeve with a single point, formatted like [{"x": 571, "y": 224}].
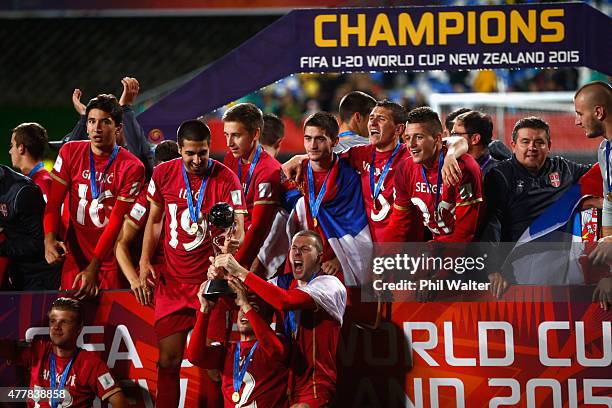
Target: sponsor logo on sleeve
[
  {"x": 138, "y": 210},
  {"x": 135, "y": 188},
  {"x": 265, "y": 190},
  {"x": 58, "y": 164},
  {"x": 236, "y": 197},
  {"x": 106, "y": 380},
  {"x": 465, "y": 192},
  {"x": 151, "y": 189}
]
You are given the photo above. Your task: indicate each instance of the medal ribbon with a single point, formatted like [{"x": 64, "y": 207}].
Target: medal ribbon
[
  {"x": 95, "y": 193},
  {"x": 290, "y": 323},
  {"x": 251, "y": 169},
  {"x": 38, "y": 166},
  {"x": 313, "y": 203},
  {"x": 439, "y": 182},
  {"x": 608, "y": 182},
  {"x": 195, "y": 212},
  {"x": 238, "y": 371},
  {"x": 375, "y": 190},
  {"x": 62, "y": 384}
]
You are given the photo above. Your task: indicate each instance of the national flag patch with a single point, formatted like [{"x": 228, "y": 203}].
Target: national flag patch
[{"x": 555, "y": 180}]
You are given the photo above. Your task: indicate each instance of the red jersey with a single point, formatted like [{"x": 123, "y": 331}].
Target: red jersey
[
  {"x": 186, "y": 251},
  {"x": 360, "y": 157},
  {"x": 313, "y": 363},
  {"x": 89, "y": 376},
  {"x": 264, "y": 186},
  {"x": 138, "y": 216},
  {"x": 43, "y": 180},
  {"x": 265, "y": 381},
  {"x": 456, "y": 217},
  {"x": 317, "y": 330},
  {"x": 122, "y": 182}
]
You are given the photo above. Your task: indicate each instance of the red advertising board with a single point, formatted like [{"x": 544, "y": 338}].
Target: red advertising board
[{"x": 518, "y": 352}]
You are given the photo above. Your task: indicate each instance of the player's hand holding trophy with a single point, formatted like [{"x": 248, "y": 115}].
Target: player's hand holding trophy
[{"x": 221, "y": 216}]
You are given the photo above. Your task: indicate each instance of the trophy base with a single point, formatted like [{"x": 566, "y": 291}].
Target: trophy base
[{"x": 216, "y": 288}]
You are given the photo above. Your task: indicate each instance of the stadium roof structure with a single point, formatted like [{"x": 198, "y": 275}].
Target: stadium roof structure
[{"x": 392, "y": 40}]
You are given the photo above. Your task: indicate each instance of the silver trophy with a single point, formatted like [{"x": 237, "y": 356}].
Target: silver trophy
[{"x": 221, "y": 215}]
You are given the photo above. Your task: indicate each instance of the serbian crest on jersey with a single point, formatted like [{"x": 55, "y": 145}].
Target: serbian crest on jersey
[
  {"x": 4, "y": 209},
  {"x": 555, "y": 180}
]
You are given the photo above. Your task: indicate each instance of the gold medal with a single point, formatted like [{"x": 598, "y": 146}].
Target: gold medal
[
  {"x": 316, "y": 223},
  {"x": 235, "y": 396},
  {"x": 194, "y": 228},
  {"x": 94, "y": 202},
  {"x": 609, "y": 196}
]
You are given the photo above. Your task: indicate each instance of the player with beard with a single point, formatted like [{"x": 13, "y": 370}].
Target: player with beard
[
  {"x": 451, "y": 212},
  {"x": 59, "y": 364},
  {"x": 102, "y": 181},
  {"x": 313, "y": 306},
  {"x": 254, "y": 370},
  {"x": 182, "y": 191}
]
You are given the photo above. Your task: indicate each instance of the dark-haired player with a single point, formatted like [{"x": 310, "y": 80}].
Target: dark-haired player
[
  {"x": 258, "y": 172},
  {"x": 133, "y": 227},
  {"x": 477, "y": 128},
  {"x": 254, "y": 370},
  {"x": 21, "y": 221},
  {"x": 181, "y": 193},
  {"x": 101, "y": 180},
  {"x": 272, "y": 134},
  {"x": 354, "y": 109},
  {"x": 28, "y": 144},
  {"x": 59, "y": 364},
  {"x": 450, "y": 212}
]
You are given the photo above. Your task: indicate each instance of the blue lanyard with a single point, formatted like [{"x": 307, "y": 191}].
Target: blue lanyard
[
  {"x": 39, "y": 166},
  {"x": 52, "y": 374},
  {"x": 608, "y": 182},
  {"x": 251, "y": 169},
  {"x": 375, "y": 190},
  {"x": 290, "y": 323},
  {"x": 313, "y": 203},
  {"x": 439, "y": 185},
  {"x": 240, "y": 372},
  {"x": 95, "y": 193},
  {"x": 194, "y": 213}
]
